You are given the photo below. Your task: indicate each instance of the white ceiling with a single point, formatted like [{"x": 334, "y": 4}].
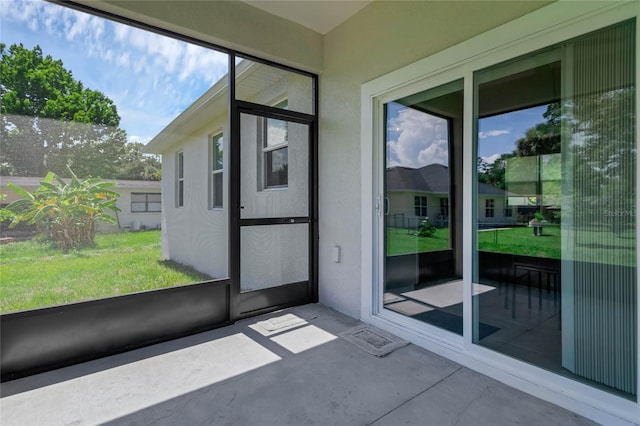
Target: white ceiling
[{"x": 319, "y": 15}]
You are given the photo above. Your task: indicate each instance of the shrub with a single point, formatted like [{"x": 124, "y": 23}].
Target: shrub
[{"x": 426, "y": 229}]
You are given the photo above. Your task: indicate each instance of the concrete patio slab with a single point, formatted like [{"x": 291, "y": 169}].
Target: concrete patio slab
[{"x": 305, "y": 375}]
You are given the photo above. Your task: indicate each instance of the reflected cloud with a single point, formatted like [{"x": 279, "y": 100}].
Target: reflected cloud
[
  {"x": 492, "y": 133},
  {"x": 421, "y": 140}
]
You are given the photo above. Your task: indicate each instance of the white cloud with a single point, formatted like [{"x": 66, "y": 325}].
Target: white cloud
[
  {"x": 493, "y": 133},
  {"x": 491, "y": 158},
  {"x": 138, "y": 139},
  {"x": 421, "y": 139},
  {"x": 163, "y": 74}
]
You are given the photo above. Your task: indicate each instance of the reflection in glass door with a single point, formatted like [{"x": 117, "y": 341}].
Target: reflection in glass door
[
  {"x": 557, "y": 132},
  {"x": 423, "y": 269}
]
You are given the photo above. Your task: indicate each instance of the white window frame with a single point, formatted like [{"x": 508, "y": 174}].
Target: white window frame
[
  {"x": 179, "y": 179},
  {"x": 542, "y": 28},
  {"x": 213, "y": 172}
]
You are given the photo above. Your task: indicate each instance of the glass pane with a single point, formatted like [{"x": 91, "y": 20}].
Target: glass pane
[
  {"x": 138, "y": 197},
  {"x": 268, "y": 85},
  {"x": 181, "y": 193},
  {"x": 277, "y": 164},
  {"x": 274, "y": 183},
  {"x": 273, "y": 255},
  {"x": 181, "y": 165},
  {"x": 138, "y": 207},
  {"x": 277, "y": 132},
  {"x": 217, "y": 190},
  {"x": 556, "y": 135},
  {"x": 423, "y": 267},
  {"x": 216, "y": 152},
  {"x": 154, "y": 198},
  {"x": 154, "y": 207}
]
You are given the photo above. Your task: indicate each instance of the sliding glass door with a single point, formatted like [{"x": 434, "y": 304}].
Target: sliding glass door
[
  {"x": 556, "y": 132},
  {"x": 547, "y": 201},
  {"x": 423, "y": 269}
]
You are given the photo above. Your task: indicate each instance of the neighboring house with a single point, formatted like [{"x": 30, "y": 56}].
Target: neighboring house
[
  {"x": 139, "y": 202},
  {"x": 416, "y": 194}
]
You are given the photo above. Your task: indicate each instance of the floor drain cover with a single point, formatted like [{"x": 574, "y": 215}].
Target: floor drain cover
[{"x": 372, "y": 340}]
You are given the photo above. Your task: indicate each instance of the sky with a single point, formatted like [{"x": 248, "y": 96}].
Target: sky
[
  {"x": 416, "y": 139},
  {"x": 151, "y": 78}
]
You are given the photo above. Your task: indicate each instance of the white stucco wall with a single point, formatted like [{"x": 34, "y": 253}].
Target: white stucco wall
[
  {"x": 194, "y": 234},
  {"x": 382, "y": 37}
]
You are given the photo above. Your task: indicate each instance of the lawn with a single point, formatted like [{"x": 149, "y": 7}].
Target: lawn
[
  {"x": 33, "y": 275},
  {"x": 517, "y": 240},
  {"x": 520, "y": 240},
  {"x": 599, "y": 245},
  {"x": 401, "y": 241}
]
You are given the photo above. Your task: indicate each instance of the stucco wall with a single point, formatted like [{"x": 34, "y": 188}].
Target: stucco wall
[
  {"x": 194, "y": 234},
  {"x": 382, "y": 37}
]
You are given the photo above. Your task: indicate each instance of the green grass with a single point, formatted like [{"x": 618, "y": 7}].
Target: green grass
[
  {"x": 399, "y": 241},
  {"x": 517, "y": 240},
  {"x": 34, "y": 275},
  {"x": 521, "y": 241},
  {"x": 599, "y": 245}
]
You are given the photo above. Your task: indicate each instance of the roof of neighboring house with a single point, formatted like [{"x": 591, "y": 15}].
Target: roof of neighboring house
[
  {"x": 28, "y": 181},
  {"x": 431, "y": 179}
]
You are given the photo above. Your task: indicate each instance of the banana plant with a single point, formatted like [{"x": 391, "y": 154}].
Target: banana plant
[{"x": 66, "y": 211}]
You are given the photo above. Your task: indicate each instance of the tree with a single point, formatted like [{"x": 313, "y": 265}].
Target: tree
[
  {"x": 39, "y": 86},
  {"x": 50, "y": 120},
  {"x": 136, "y": 165},
  {"x": 494, "y": 173},
  {"x": 65, "y": 212},
  {"x": 543, "y": 138}
]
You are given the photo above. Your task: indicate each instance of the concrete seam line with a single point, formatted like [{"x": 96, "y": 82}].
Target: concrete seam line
[{"x": 415, "y": 396}]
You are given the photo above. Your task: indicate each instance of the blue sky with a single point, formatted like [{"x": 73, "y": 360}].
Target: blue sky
[
  {"x": 150, "y": 78},
  {"x": 415, "y": 139},
  {"x": 498, "y": 134}
]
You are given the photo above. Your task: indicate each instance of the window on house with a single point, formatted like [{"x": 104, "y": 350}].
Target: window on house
[
  {"x": 146, "y": 202},
  {"x": 275, "y": 153},
  {"x": 216, "y": 167},
  {"x": 489, "y": 208},
  {"x": 444, "y": 208},
  {"x": 180, "y": 179},
  {"x": 420, "y": 206},
  {"x": 508, "y": 211}
]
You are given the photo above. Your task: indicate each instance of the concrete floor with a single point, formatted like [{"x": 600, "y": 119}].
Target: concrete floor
[{"x": 245, "y": 375}]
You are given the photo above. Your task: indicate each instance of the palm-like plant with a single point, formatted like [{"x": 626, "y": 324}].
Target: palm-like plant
[{"x": 68, "y": 211}]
